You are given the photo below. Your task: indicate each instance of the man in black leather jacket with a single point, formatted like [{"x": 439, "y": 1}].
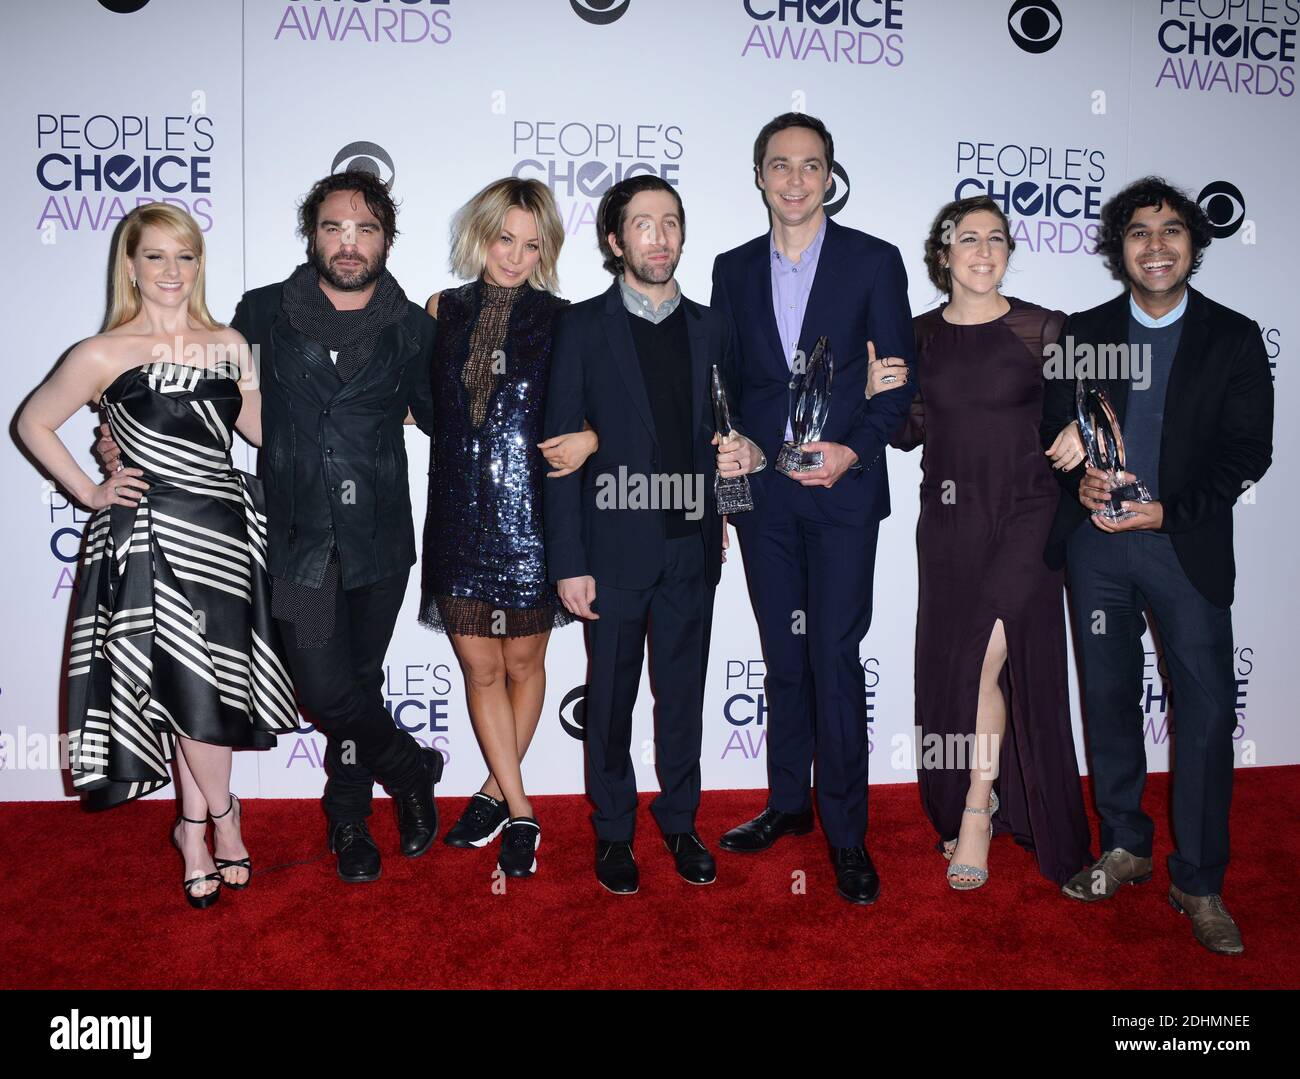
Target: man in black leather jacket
[{"x": 343, "y": 357}]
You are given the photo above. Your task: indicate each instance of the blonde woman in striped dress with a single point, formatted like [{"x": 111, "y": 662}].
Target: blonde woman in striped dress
[{"x": 173, "y": 646}]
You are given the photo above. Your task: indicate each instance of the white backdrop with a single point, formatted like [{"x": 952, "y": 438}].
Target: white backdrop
[{"x": 234, "y": 109}]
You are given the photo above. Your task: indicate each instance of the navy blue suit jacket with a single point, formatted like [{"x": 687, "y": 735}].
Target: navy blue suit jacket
[
  {"x": 858, "y": 295},
  {"x": 596, "y": 376}
]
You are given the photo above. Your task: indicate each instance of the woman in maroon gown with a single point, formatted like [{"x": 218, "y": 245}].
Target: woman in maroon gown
[{"x": 990, "y": 636}]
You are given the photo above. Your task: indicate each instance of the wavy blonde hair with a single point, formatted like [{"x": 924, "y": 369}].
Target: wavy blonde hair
[
  {"x": 124, "y": 299},
  {"x": 478, "y": 223}
]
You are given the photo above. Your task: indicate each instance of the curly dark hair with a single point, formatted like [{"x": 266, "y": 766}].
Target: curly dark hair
[
  {"x": 1149, "y": 191},
  {"x": 611, "y": 215},
  {"x": 378, "y": 199},
  {"x": 945, "y": 225}
]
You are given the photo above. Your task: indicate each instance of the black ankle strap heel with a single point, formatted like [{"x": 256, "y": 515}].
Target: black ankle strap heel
[
  {"x": 198, "y": 902},
  {"x": 237, "y": 863}
]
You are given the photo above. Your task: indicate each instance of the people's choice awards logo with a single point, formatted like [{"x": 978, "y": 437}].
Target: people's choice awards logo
[
  {"x": 1052, "y": 194},
  {"x": 1035, "y": 25},
  {"x": 122, "y": 7},
  {"x": 600, "y": 12},
  {"x": 94, "y": 168},
  {"x": 1211, "y": 45},
  {"x": 365, "y": 157},
  {"x": 580, "y": 159},
  {"x": 1224, "y": 205},
  {"x": 573, "y": 717},
  {"x": 377, "y": 23},
  {"x": 832, "y": 31}
]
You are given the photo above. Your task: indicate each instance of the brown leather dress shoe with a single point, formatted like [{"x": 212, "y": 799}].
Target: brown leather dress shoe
[
  {"x": 1105, "y": 877},
  {"x": 1212, "y": 925}
]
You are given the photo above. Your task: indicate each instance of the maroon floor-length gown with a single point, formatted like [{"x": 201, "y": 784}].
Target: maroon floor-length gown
[{"x": 987, "y": 501}]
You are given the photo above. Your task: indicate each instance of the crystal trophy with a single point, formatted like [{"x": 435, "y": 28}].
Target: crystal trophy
[
  {"x": 1103, "y": 442},
  {"x": 731, "y": 492},
  {"x": 811, "y": 403}
]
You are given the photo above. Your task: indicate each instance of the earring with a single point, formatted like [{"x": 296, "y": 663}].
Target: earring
[{"x": 133, "y": 284}]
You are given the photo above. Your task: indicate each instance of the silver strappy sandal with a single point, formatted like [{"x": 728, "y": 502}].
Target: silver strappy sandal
[{"x": 980, "y": 875}]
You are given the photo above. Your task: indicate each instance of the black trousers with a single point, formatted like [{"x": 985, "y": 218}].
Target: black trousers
[
  {"x": 678, "y": 610},
  {"x": 1112, "y": 578},
  {"x": 340, "y": 688}
]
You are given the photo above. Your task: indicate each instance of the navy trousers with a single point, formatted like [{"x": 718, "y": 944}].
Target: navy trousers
[
  {"x": 1111, "y": 579},
  {"x": 810, "y": 581}
]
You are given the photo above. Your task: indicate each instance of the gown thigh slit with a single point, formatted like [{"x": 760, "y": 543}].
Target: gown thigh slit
[{"x": 987, "y": 502}]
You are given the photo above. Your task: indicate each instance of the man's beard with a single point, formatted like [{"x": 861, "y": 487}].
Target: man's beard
[
  {"x": 651, "y": 275},
  {"x": 353, "y": 281}
]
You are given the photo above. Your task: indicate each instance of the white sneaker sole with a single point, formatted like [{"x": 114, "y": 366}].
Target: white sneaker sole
[{"x": 488, "y": 838}]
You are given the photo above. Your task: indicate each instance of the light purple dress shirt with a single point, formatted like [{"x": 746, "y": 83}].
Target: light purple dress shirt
[{"x": 791, "y": 285}]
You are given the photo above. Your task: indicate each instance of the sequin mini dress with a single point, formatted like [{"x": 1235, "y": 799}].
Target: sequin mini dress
[{"x": 484, "y": 562}]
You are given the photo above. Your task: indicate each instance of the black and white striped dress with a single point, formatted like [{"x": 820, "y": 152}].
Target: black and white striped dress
[{"x": 172, "y": 633}]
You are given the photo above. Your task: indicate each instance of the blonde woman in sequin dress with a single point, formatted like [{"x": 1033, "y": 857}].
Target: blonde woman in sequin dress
[{"x": 484, "y": 568}]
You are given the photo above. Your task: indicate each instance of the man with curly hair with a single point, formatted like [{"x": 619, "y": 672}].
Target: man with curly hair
[{"x": 1194, "y": 399}]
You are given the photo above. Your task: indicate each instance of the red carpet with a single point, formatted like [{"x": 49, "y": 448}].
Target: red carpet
[{"x": 93, "y": 901}]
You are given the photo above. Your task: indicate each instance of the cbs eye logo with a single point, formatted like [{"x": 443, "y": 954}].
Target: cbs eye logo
[
  {"x": 1034, "y": 25},
  {"x": 122, "y": 7},
  {"x": 1224, "y": 205},
  {"x": 838, "y": 193},
  {"x": 573, "y": 717},
  {"x": 365, "y": 157},
  {"x": 600, "y": 12}
]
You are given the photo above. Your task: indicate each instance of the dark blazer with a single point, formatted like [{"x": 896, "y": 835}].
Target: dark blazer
[
  {"x": 1216, "y": 436},
  {"x": 858, "y": 295},
  {"x": 596, "y": 376},
  {"x": 318, "y": 433}
]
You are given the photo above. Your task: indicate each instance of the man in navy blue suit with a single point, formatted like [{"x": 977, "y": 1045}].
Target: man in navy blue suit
[
  {"x": 810, "y": 543},
  {"x": 633, "y": 540}
]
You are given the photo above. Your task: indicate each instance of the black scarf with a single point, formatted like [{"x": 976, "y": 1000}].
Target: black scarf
[{"x": 352, "y": 334}]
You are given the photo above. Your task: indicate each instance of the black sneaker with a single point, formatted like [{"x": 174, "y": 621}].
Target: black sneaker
[
  {"x": 519, "y": 845},
  {"x": 481, "y": 823}
]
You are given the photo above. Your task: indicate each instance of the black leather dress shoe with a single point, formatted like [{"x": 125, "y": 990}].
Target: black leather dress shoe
[
  {"x": 417, "y": 815},
  {"x": 695, "y": 864},
  {"x": 357, "y": 854},
  {"x": 765, "y": 829},
  {"x": 856, "y": 878},
  {"x": 616, "y": 868}
]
